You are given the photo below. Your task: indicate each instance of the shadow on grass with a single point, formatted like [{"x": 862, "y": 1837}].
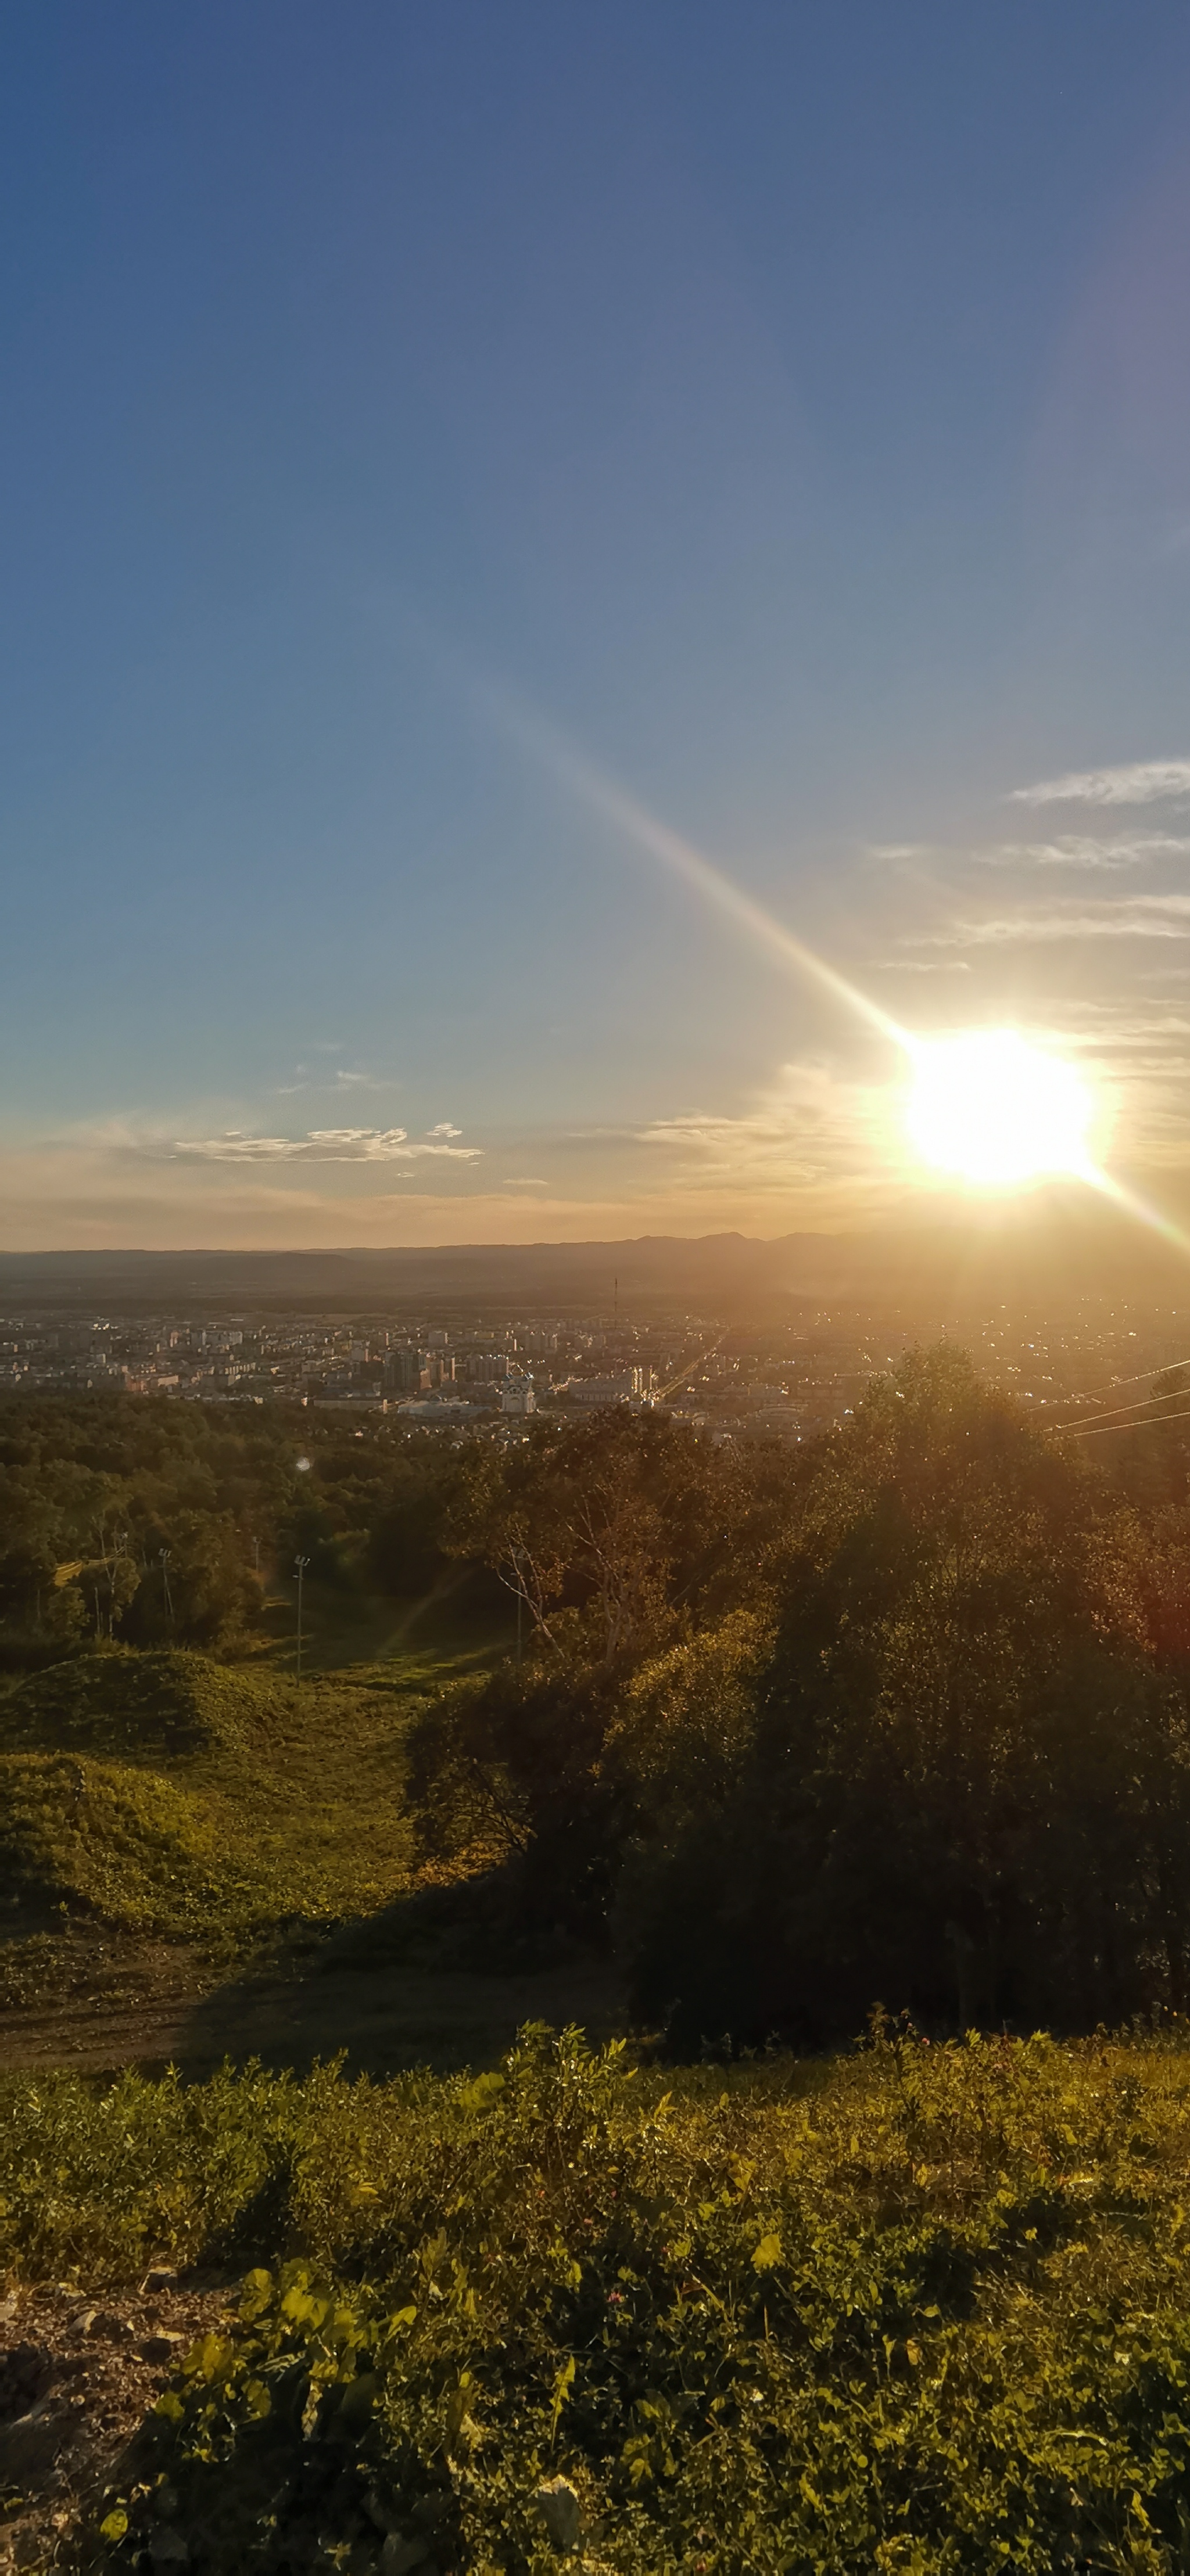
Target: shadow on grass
[
  {"x": 388, "y": 2004},
  {"x": 466, "y": 1615}
]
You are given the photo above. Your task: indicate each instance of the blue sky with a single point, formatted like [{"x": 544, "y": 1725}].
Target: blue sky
[{"x": 786, "y": 406}]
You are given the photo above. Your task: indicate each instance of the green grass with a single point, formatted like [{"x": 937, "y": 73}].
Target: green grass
[
  {"x": 130, "y": 1848},
  {"x": 168, "y": 1793},
  {"x": 920, "y": 2309},
  {"x": 344, "y": 1626}
]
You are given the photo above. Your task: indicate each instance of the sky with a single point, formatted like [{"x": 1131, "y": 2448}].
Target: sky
[{"x": 469, "y": 472}]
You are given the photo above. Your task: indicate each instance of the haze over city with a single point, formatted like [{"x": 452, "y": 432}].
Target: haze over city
[{"x": 520, "y": 524}]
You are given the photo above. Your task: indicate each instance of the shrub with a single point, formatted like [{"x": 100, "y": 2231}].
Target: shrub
[{"x": 921, "y": 2309}]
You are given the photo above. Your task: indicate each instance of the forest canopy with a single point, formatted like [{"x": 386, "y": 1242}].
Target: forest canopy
[
  {"x": 144, "y": 1522},
  {"x": 899, "y": 1717},
  {"x": 906, "y": 1721}
]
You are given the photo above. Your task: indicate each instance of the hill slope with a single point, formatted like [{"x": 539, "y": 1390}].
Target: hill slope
[{"x": 171, "y": 1792}]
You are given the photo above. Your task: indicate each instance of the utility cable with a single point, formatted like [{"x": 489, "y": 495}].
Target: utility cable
[
  {"x": 1097, "y": 1430},
  {"x": 1113, "y": 1412},
  {"x": 1087, "y": 1392}
]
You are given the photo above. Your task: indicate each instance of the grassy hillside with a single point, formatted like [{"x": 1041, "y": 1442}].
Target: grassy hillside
[
  {"x": 170, "y": 1793},
  {"x": 157, "y": 1708},
  {"x": 134, "y": 1850},
  {"x": 918, "y": 2309}
]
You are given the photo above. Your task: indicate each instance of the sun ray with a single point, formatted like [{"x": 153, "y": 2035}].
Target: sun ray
[
  {"x": 603, "y": 794},
  {"x": 1141, "y": 1208},
  {"x": 1031, "y": 1111}
]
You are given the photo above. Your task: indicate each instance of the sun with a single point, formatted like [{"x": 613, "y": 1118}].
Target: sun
[{"x": 994, "y": 1110}]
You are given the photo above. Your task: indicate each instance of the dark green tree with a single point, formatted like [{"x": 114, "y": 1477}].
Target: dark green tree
[{"x": 967, "y": 1791}]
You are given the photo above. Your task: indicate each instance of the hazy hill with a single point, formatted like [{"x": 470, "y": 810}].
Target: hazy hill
[{"x": 1059, "y": 1241}]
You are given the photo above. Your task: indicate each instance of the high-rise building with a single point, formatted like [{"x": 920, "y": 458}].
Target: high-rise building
[{"x": 401, "y": 1374}]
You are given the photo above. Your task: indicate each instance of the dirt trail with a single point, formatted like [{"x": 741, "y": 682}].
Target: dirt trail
[{"x": 150, "y": 2011}]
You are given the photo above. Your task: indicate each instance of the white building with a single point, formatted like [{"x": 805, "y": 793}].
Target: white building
[
  {"x": 518, "y": 1396},
  {"x": 629, "y": 1386}
]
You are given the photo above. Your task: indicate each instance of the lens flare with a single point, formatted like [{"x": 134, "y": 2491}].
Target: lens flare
[
  {"x": 985, "y": 1106},
  {"x": 996, "y": 1111}
]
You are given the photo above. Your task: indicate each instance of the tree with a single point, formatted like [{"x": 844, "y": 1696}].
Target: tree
[
  {"x": 611, "y": 1533},
  {"x": 968, "y": 1784}
]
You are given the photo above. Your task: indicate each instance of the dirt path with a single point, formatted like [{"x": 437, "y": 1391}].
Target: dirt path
[{"x": 151, "y": 2012}]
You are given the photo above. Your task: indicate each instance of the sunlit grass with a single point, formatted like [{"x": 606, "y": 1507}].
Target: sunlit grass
[{"x": 917, "y": 2308}]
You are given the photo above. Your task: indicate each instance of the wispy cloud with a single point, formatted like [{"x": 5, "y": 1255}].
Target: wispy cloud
[
  {"x": 920, "y": 966},
  {"x": 345, "y": 1078},
  {"x": 815, "y": 1129},
  {"x": 523, "y": 1181},
  {"x": 1081, "y": 850},
  {"x": 324, "y": 1145},
  {"x": 1137, "y": 782},
  {"x": 1144, "y": 916},
  {"x": 444, "y": 1128}
]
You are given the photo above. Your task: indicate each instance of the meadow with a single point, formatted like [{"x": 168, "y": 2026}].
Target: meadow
[{"x": 919, "y": 2307}]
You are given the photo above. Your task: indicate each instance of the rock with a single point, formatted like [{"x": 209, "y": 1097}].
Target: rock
[
  {"x": 160, "y": 2276},
  {"x": 400, "y": 2556},
  {"x": 558, "y": 2506},
  {"x": 26, "y": 2372},
  {"x": 30, "y": 2445},
  {"x": 167, "y": 2547},
  {"x": 161, "y": 2347},
  {"x": 104, "y": 2326}
]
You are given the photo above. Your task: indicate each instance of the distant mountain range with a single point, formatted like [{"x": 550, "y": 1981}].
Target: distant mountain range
[{"x": 1055, "y": 1244}]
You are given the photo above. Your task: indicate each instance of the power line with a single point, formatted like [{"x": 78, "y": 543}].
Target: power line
[
  {"x": 1113, "y": 1412},
  {"x": 1097, "y": 1431},
  {"x": 1086, "y": 1393}
]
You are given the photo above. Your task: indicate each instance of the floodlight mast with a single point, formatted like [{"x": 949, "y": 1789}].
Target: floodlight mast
[{"x": 301, "y": 1562}]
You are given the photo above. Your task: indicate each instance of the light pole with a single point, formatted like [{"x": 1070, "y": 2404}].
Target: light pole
[
  {"x": 518, "y": 1554},
  {"x": 163, "y": 1557},
  {"x": 301, "y": 1562}
]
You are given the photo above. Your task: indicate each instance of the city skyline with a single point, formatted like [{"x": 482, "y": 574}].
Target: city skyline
[{"x": 450, "y": 462}]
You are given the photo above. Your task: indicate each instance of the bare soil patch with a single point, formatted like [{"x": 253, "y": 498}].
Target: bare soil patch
[{"x": 77, "y": 2376}]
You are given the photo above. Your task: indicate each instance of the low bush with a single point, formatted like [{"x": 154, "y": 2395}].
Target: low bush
[
  {"x": 921, "y": 2309},
  {"x": 152, "y": 1707}
]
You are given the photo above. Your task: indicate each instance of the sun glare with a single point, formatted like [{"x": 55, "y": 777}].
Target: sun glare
[{"x": 994, "y": 1110}]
